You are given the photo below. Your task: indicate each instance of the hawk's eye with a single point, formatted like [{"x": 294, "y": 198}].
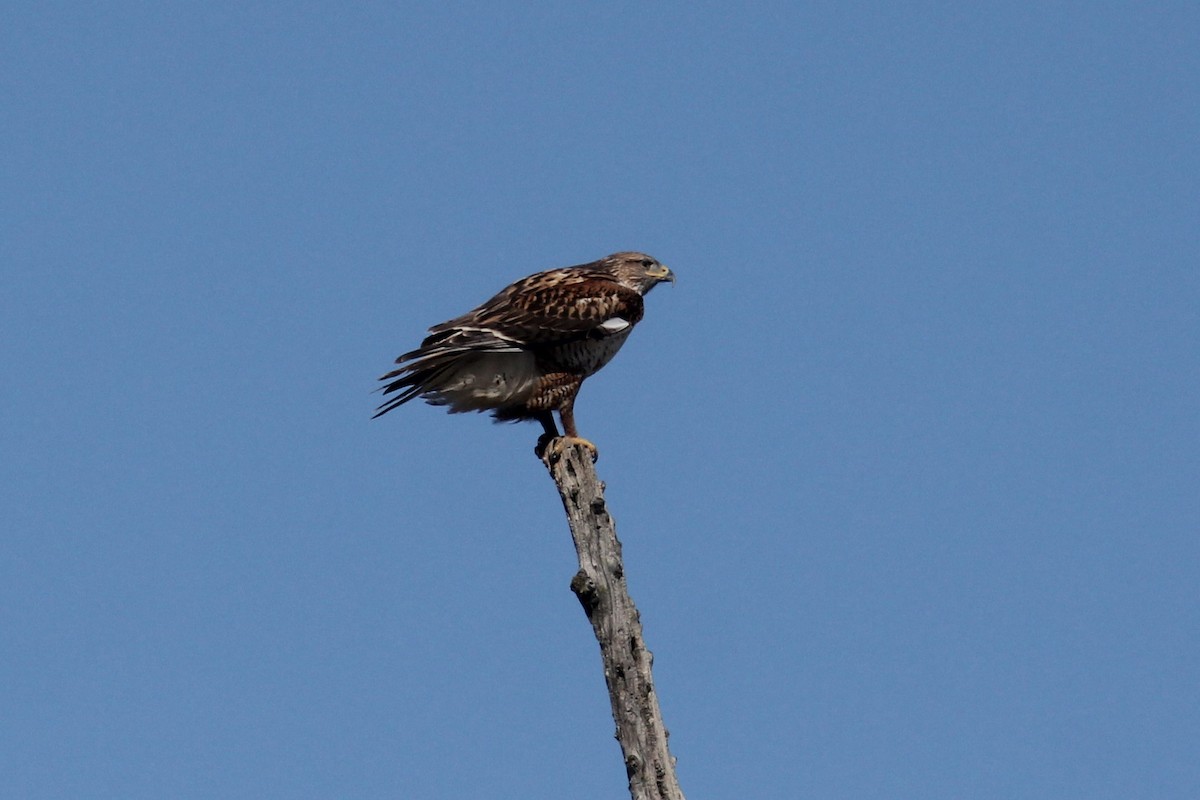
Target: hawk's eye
[{"x": 647, "y": 262}]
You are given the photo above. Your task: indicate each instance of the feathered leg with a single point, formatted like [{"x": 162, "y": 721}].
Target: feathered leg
[{"x": 570, "y": 435}]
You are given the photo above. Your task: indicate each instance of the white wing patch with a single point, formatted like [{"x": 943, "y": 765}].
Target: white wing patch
[{"x": 614, "y": 325}]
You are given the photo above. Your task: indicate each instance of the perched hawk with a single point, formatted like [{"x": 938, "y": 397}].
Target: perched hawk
[{"x": 525, "y": 353}]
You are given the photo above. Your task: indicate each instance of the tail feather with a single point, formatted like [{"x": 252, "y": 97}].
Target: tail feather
[{"x": 465, "y": 369}]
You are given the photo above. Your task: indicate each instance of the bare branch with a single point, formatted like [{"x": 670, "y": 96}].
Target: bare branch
[{"x": 601, "y": 589}]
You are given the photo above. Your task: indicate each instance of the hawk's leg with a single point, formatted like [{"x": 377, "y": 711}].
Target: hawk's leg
[
  {"x": 551, "y": 432},
  {"x": 570, "y": 434}
]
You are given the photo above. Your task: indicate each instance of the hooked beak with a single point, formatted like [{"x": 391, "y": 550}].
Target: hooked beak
[{"x": 661, "y": 274}]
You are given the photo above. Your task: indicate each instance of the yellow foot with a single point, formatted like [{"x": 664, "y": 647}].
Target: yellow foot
[{"x": 553, "y": 447}]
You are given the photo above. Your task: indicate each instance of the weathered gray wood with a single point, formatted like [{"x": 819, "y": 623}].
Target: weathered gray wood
[{"x": 601, "y": 589}]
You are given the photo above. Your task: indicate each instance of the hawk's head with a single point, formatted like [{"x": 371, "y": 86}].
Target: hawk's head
[{"x": 637, "y": 271}]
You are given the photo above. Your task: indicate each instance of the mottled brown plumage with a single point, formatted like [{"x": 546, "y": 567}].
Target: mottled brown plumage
[{"x": 525, "y": 353}]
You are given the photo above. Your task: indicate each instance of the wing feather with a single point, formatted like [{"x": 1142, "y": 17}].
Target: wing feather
[{"x": 551, "y": 307}]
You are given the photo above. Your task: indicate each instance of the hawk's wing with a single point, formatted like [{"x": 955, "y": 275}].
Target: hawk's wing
[{"x": 552, "y": 307}]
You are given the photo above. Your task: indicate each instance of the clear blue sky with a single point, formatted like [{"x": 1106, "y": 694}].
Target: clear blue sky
[{"x": 907, "y": 465}]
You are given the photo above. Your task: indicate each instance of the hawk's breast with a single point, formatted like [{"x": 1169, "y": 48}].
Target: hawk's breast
[{"x": 589, "y": 355}]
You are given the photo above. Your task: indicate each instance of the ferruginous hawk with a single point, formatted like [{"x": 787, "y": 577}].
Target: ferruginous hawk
[{"x": 525, "y": 353}]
